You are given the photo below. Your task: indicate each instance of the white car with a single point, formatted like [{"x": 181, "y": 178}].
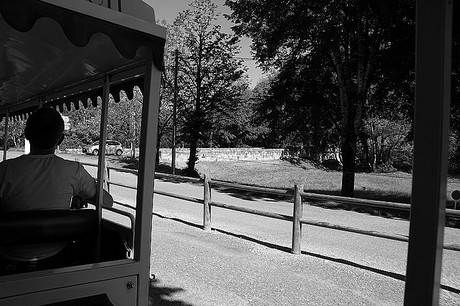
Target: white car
[{"x": 111, "y": 147}]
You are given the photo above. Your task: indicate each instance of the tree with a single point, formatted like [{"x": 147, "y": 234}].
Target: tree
[
  {"x": 387, "y": 141},
  {"x": 258, "y": 128},
  {"x": 15, "y": 132},
  {"x": 165, "y": 119},
  {"x": 335, "y": 52},
  {"x": 124, "y": 119},
  {"x": 209, "y": 77},
  {"x": 84, "y": 126},
  {"x": 296, "y": 107},
  {"x": 123, "y": 122}
]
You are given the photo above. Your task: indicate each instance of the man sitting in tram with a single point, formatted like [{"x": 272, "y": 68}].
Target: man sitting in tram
[{"x": 43, "y": 181}]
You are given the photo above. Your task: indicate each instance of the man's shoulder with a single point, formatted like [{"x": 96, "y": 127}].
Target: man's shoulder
[
  {"x": 12, "y": 164},
  {"x": 17, "y": 159},
  {"x": 33, "y": 159},
  {"x": 67, "y": 162}
]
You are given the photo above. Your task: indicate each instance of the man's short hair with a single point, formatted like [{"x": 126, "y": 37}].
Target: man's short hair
[{"x": 44, "y": 128}]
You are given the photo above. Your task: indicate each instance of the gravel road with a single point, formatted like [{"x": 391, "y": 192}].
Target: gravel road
[{"x": 194, "y": 267}]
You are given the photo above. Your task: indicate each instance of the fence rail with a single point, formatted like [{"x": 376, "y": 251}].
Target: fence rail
[
  {"x": 264, "y": 190},
  {"x": 296, "y": 218}
]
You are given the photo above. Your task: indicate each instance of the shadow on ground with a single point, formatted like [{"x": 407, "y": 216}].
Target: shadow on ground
[
  {"x": 394, "y": 275},
  {"x": 160, "y": 295},
  {"x": 248, "y": 195}
]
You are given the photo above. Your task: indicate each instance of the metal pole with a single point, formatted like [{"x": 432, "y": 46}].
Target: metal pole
[
  {"x": 455, "y": 197},
  {"x": 428, "y": 203},
  {"x": 145, "y": 181},
  {"x": 173, "y": 152},
  {"x": 101, "y": 171},
  {"x": 103, "y": 140}
]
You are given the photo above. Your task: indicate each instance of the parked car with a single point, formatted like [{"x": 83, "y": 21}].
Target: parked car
[{"x": 111, "y": 147}]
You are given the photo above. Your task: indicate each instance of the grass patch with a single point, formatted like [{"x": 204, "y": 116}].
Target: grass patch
[
  {"x": 282, "y": 174},
  {"x": 390, "y": 187}
]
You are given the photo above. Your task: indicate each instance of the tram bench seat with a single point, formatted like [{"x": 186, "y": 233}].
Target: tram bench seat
[
  {"x": 42, "y": 226},
  {"x": 80, "y": 227}
]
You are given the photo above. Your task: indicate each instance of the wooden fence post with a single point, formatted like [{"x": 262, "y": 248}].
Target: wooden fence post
[
  {"x": 206, "y": 205},
  {"x": 297, "y": 216}
]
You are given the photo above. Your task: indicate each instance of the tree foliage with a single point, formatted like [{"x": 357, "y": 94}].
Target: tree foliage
[
  {"x": 388, "y": 145},
  {"x": 209, "y": 77},
  {"x": 123, "y": 122},
  {"x": 332, "y": 57},
  {"x": 15, "y": 132}
]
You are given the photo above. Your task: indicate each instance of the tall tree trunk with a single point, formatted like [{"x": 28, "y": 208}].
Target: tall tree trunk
[
  {"x": 194, "y": 138},
  {"x": 348, "y": 135},
  {"x": 366, "y": 163},
  {"x": 348, "y": 147},
  {"x": 197, "y": 118},
  {"x": 210, "y": 139},
  {"x": 193, "y": 155}
]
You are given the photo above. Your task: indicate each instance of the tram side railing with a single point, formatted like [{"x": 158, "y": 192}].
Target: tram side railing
[{"x": 299, "y": 197}]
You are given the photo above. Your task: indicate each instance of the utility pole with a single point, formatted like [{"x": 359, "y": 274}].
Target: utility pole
[{"x": 173, "y": 153}]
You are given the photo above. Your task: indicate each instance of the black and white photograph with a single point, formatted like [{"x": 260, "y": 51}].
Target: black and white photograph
[{"x": 229, "y": 152}]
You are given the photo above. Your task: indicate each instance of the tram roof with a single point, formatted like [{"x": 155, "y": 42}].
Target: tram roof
[{"x": 57, "y": 52}]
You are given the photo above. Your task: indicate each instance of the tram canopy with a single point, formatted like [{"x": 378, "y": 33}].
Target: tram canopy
[{"x": 57, "y": 52}]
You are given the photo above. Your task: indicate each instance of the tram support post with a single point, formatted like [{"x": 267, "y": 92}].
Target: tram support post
[
  {"x": 147, "y": 157},
  {"x": 428, "y": 203},
  {"x": 101, "y": 157}
]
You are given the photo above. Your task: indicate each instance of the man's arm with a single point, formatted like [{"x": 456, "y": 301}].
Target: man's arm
[
  {"x": 107, "y": 199},
  {"x": 88, "y": 189},
  {"x": 79, "y": 202}
]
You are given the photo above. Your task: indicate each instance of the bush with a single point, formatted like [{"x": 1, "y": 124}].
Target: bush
[
  {"x": 332, "y": 164},
  {"x": 385, "y": 168},
  {"x": 402, "y": 159}
]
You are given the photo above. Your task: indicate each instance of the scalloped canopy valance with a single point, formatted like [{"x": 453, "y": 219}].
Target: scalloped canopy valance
[{"x": 49, "y": 47}]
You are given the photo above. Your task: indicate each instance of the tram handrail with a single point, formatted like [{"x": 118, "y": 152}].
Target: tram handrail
[
  {"x": 299, "y": 196},
  {"x": 124, "y": 213}
]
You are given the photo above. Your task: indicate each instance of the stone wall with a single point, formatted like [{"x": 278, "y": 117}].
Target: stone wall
[
  {"x": 220, "y": 154},
  {"x": 210, "y": 154}
]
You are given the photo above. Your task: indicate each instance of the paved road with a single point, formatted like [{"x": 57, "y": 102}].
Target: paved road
[{"x": 245, "y": 260}]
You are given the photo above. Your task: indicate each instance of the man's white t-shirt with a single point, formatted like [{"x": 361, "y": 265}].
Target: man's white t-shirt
[{"x": 34, "y": 182}]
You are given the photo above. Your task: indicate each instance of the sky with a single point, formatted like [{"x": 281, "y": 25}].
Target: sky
[{"x": 169, "y": 9}]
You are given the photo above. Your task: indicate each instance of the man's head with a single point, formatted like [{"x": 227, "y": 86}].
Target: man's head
[{"x": 44, "y": 128}]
